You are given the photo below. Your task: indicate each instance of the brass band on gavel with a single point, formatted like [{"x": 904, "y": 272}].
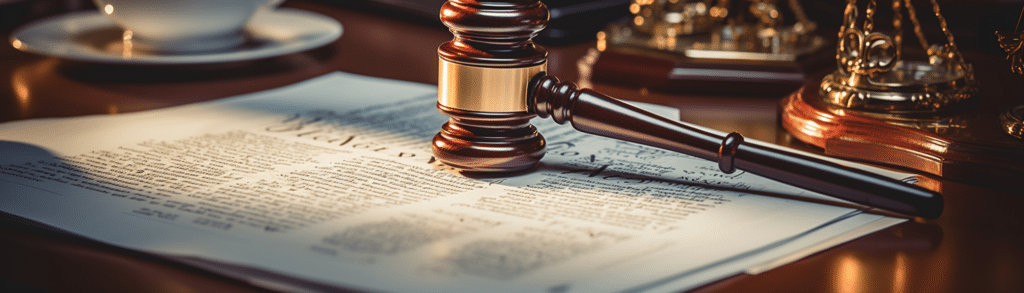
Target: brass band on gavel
[{"x": 484, "y": 89}]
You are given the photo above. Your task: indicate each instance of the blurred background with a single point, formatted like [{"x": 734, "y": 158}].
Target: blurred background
[{"x": 972, "y": 21}]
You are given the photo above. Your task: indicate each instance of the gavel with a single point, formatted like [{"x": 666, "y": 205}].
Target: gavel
[{"x": 492, "y": 80}]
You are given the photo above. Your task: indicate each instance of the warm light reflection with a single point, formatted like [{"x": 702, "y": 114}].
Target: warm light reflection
[
  {"x": 811, "y": 128},
  {"x": 19, "y": 83},
  {"x": 718, "y": 12},
  {"x": 127, "y": 46},
  {"x": 938, "y": 148},
  {"x": 108, "y": 9},
  {"x": 849, "y": 274},
  {"x": 899, "y": 274},
  {"x": 585, "y": 66},
  {"x": 825, "y": 118},
  {"x": 113, "y": 109},
  {"x": 17, "y": 44}
]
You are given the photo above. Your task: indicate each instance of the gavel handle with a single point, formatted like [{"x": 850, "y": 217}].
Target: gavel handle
[{"x": 596, "y": 113}]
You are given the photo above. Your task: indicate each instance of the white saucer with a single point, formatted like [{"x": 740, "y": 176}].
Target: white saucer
[{"x": 91, "y": 36}]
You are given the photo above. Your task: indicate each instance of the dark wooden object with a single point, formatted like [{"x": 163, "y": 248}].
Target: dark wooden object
[
  {"x": 673, "y": 73},
  {"x": 506, "y": 142},
  {"x": 595, "y": 113},
  {"x": 500, "y": 38},
  {"x": 966, "y": 145}
]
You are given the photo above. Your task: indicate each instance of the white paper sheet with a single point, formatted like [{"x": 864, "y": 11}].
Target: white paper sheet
[{"x": 331, "y": 180}]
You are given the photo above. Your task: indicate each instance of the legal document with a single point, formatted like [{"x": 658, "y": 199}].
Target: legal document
[{"x": 331, "y": 183}]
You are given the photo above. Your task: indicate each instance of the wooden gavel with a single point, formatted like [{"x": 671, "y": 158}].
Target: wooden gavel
[{"x": 492, "y": 81}]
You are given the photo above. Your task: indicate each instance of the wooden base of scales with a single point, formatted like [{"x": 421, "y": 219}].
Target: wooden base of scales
[{"x": 967, "y": 145}]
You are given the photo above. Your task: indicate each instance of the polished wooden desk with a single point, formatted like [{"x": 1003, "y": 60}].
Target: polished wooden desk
[{"x": 977, "y": 245}]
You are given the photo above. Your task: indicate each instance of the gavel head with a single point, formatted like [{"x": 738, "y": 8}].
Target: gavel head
[{"x": 483, "y": 85}]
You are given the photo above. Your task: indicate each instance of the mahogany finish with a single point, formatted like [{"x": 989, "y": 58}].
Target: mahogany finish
[
  {"x": 595, "y": 113},
  {"x": 668, "y": 72},
  {"x": 974, "y": 247},
  {"x": 493, "y": 34},
  {"x": 488, "y": 142},
  {"x": 965, "y": 145}
]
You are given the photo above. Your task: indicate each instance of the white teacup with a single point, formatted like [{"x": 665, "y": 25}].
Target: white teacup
[{"x": 183, "y": 26}]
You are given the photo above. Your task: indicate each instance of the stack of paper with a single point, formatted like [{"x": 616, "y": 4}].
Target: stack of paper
[{"x": 331, "y": 183}]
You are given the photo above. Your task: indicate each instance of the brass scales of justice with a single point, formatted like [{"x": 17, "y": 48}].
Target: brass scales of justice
[
  {"x": 492, "y": 80},
  {"x": 928, "y": 115}
]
